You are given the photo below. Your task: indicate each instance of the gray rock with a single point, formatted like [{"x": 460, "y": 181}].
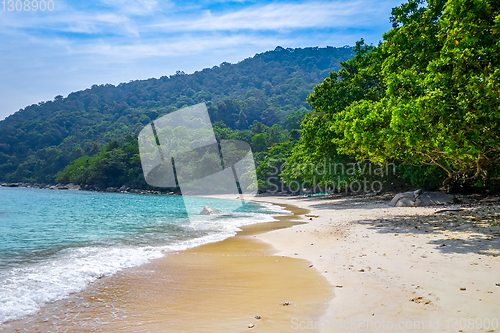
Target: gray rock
[
  {"x": 111, "y": 189},
  {"x": 72, "y": 186},
  {"x": 210, "y": 211},
  {"x": 94, "y": 188},
  {"x": 399, "y": 196},
  {"x": 405, "y": 202},
  {"x": 419, "y": 198},
  {"x": 437, "y": 198}
]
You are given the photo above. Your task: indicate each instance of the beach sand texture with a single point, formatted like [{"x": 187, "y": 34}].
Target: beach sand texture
[{"x": 406, "y": 266}]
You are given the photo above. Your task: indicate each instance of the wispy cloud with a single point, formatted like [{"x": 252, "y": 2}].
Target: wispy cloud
[
  {"x": 173, "y": 47},
  {"x": 283, "y": 16},
  {"x": 133, "y": 7},
  {"x": 120, "y": 17}
]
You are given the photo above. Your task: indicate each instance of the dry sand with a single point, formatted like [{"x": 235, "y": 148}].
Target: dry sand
[{"x": 405, "y": 268}]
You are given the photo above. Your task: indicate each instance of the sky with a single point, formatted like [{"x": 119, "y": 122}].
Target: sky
[{"x": 72, "y": 45}]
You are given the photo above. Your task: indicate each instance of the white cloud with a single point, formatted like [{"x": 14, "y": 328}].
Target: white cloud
[
  {"x": 134, "y": 7},
  {"x": 125, "y": 18},
  {"x": 278, "y": 16},
  {"x": 185, "y": 45}
]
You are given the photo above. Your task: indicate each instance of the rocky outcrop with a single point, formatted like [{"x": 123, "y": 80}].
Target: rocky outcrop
[
  {"x": 210, "y": 211},
  {"x": 10, "y": 184},
  {"x": 71, "y": 186},
  {"x": 419, "y": 198},
  {"x": 74, "y": 187}
]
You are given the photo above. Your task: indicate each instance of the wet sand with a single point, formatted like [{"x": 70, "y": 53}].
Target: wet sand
[{"x": 218, "y": 287}]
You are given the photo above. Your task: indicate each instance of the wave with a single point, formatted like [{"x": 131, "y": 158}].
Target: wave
[{"x": 25, "y": 289}]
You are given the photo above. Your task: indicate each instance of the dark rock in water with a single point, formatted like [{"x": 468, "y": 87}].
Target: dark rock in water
[
  {"x": 419, "y": 198},
  {"x": 210, "y": 211}
]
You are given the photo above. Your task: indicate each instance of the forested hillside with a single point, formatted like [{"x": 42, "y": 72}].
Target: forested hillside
[
  {"x": 419, "y": 110},
  {"x": 271, "y": 88}
]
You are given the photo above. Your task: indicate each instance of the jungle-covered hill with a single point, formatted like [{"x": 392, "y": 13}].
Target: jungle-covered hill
[{"x": 42, "y": 139}]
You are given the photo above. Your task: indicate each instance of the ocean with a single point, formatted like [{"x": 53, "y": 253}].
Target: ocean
[{"x": 53, "y": 242}]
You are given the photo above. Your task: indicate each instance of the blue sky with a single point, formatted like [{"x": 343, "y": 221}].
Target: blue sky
[{"x": 81, "y": 43}]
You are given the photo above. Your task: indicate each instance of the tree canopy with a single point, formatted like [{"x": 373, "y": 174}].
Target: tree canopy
[
  {"x": 425, "y": 100},
  {"x": 429, "y": 94}
]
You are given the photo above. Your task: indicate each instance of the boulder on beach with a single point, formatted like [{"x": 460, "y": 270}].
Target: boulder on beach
[
  {"x": 419, "y": 198},
  {"x": 406, "y": 199},
  {"x": 210, "y": 211},
  {"x": 437, "y": 198}
]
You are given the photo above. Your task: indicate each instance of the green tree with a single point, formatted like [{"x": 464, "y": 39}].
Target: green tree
[
  {"x": 358, "y": 79},
  {"x": 259, "y": 142},
  {"x": 266, "y": 88},
  {"x": 442, "y": 103}
]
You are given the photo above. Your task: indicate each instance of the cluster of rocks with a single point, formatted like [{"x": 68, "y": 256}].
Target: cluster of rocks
[
  {"x": 50, "y": 187},
  {"x": 71, "y": 186},
  {"x": 419, "y": 198}
]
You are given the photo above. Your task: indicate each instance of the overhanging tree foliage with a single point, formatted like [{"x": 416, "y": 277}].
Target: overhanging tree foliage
[
  {"x": 358, "y": 79},
  {"x": 439, "y": 67}
]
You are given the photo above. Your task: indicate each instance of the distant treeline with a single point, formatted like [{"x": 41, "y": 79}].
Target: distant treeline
[
  {"x": 271, "y": 88},
  {"x": 119, "y": 163}
]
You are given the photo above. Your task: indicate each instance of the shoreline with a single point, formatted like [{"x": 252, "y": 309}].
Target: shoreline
[
  {"x": 242, "y": 274},
  {"x": 374, "y": 268}
]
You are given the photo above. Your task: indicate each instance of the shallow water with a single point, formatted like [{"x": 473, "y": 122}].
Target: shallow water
[{"x": 53, "y": 243}]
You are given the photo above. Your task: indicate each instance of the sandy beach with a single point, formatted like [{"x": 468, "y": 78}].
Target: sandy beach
[
  {"x": 398, "y": 269},
  {"x": 354, "y": 264}
]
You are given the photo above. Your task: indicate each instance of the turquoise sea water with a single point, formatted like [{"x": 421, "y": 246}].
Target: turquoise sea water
[{"x": 53, "y": 243}]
